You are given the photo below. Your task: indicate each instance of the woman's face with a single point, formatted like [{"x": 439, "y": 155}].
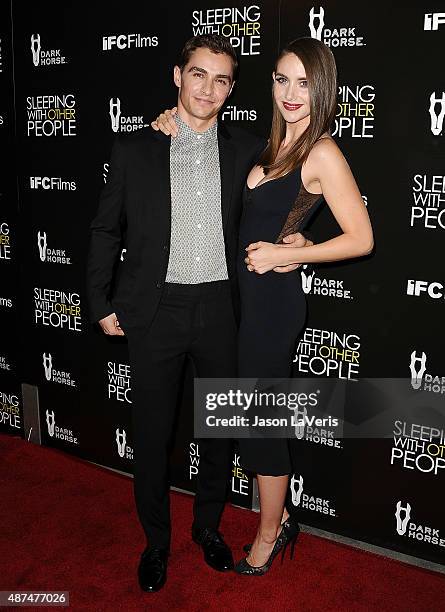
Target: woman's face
[{"x": 290, "y": 89}]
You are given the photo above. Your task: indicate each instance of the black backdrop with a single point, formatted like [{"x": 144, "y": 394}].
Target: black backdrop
[{"x": 62, "y": 69}]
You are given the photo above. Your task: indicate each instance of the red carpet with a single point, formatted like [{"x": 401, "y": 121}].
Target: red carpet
[{"x": 68, "y": 525}]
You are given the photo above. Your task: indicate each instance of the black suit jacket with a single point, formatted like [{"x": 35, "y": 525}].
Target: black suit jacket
[{"x": 134, "y": 213}]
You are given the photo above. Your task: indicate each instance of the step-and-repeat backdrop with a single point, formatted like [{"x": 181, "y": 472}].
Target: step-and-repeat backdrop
[{"x": 73, "y": 77}]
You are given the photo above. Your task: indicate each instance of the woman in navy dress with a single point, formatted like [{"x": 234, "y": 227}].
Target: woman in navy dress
[{"x": 301, "y": 168}]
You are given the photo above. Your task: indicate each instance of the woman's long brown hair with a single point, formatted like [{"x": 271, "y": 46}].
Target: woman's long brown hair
[{"x": 321, "y": 75}]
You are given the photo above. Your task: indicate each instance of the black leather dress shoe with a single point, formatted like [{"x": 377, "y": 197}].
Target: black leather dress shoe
[
  {"x": 152, "y": 570},
  {"x": 216, "y": 552}
]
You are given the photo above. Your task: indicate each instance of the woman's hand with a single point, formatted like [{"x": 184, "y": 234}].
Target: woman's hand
[
  {"x": 166, "y": 123},
  {"x": 265, "y": 256},
  {"x": 293, "y": 240}
]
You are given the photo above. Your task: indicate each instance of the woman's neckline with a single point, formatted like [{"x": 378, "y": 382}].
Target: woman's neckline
[
  {"x": 262, "y": 182},
  {"x": 277, "y": 179}
]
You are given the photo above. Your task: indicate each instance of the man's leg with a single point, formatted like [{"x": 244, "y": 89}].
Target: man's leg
[
  {"x": 214, "y": 355},
  {"x": 156, "y": 360}
]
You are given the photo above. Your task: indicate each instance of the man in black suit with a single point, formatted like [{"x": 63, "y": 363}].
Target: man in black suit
[{"x": 175, "y": 205}]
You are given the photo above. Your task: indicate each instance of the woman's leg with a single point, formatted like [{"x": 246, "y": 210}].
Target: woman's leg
[
  {"x": 285, "y": 515},
  {"x": 272, "y": 493}
]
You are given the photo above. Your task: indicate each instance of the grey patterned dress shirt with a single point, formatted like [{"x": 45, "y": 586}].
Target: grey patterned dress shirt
[{"x": 197, "y": 253}]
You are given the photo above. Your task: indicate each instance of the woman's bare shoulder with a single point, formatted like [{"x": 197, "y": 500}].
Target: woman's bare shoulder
[
  {"x": 325, "y": 150},
  {"x": 325, "y": 158},
  {"x": 325, "y": 146}
]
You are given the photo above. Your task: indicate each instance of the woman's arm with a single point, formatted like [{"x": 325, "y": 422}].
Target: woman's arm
[{"x": 327, "y": 166}]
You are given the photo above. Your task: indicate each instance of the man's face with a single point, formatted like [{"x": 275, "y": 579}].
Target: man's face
[{"x": 204, "y": 83}]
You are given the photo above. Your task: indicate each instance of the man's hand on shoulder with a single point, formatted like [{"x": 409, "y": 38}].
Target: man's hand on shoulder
[
  {"x": 166, "y": 122},
  {"x": 110, "y": 325}
]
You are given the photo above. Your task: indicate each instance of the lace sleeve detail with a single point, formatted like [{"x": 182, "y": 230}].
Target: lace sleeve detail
[{"x": 298, "y": 212}]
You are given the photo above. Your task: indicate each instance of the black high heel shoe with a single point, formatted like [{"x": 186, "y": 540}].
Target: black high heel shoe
[
  {"x": 288, "y": 535},
  {"x": 247, "y": 547}
]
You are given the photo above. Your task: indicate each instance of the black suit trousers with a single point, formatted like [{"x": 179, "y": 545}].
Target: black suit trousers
[{"x": 195, "y": 321}]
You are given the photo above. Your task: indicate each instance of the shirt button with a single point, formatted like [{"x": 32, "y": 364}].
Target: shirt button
[
  {"x": 198, "y": 258},
  {"x": 199, "y": 193},
  {"x": 199, "y": 137},
  {"x": 165, "y": 247},
  {"x": 199, "y": 225},
  {"x": 198, "y": 161},
  {"x": 158, "y": 285}
]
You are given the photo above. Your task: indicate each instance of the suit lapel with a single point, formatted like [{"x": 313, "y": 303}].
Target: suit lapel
[
  {"x": 161, "y": 166},
  {"x": 227, "y": 162}
]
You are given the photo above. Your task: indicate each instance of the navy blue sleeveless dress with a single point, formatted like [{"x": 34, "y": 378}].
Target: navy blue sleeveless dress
[{"x": 273, "y": 305}]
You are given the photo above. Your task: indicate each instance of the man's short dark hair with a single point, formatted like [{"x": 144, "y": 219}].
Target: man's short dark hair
[{"x": 215, "y": 43}]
